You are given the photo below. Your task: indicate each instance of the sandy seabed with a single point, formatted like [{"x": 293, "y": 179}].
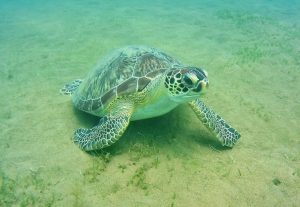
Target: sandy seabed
[{"x": 252, "y": 53}]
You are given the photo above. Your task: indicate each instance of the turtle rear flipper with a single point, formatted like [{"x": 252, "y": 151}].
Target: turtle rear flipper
[
  {"x": 69, "y": 88},
  {"x": 225, "y": 133},
  {"x": 107, "y": 132}
]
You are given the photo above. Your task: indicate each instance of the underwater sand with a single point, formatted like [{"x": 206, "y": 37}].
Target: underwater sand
[{"x": 252, "y": 53}]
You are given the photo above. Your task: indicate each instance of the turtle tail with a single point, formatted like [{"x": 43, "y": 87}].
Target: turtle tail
[{"x": 69, "y": 88}]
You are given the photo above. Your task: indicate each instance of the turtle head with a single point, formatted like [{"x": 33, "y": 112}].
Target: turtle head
[{"x": 186, "y": 84}]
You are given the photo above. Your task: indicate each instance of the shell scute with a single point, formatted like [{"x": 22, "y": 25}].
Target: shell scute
[
  {"x": 143, "y": 82},
  {"x": 128, "y": 86},
  {"x": 109, "y": 96}
]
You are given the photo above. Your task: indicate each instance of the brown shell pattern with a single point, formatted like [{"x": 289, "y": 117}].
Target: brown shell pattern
[{"x": 125, "y": 71}]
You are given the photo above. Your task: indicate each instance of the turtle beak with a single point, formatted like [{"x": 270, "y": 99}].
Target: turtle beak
[{"x": 204, "y": 83}]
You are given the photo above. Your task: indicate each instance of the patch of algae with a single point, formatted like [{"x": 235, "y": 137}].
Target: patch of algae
[
  {"x": 139, "y": 177},
  {"x": 99, "y": 164},
  {"x": 142, "y": 150},
  {"x": 29, "y": 190}
]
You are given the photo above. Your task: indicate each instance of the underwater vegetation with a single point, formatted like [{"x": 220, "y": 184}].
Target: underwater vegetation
[
  {"x": 137, "y": 153},
  {"x": 242, "y": 18},
  {"x": 139, "y": 176},
  {"x": 133, "y": 171},
  {"x": 99, "y": 164},
  {"x": 142, "y": 150},
  {"x": 28, "y": 190},
  {"x": 248, "y": 54}
]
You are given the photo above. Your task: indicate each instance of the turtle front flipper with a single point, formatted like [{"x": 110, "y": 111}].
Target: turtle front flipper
[
  {"x": 107, "y": 132},
  {"x": 225, "y": 133}
]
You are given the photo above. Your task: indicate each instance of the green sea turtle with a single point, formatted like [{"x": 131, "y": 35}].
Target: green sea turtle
[{"x": 135, "y": 83}]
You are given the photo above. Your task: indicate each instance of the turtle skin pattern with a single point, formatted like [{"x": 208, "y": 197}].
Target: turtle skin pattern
[
  {"x": 225, "y": 133},
  {"x": 107, "y": 132}
]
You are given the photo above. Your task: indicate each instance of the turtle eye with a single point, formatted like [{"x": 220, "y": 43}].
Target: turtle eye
[{"x": 188, "y": 81}]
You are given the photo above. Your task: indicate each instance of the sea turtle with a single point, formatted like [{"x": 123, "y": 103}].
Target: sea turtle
[{"x": 137, "y": 82}]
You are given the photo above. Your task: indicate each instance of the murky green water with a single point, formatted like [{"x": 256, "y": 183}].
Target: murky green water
[{"x": 252, "y": 53}]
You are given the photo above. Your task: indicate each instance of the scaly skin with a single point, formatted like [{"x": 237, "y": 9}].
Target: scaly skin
[
  {"x": 224, "y": 132},
  {"x": 110, "y": 128}
]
